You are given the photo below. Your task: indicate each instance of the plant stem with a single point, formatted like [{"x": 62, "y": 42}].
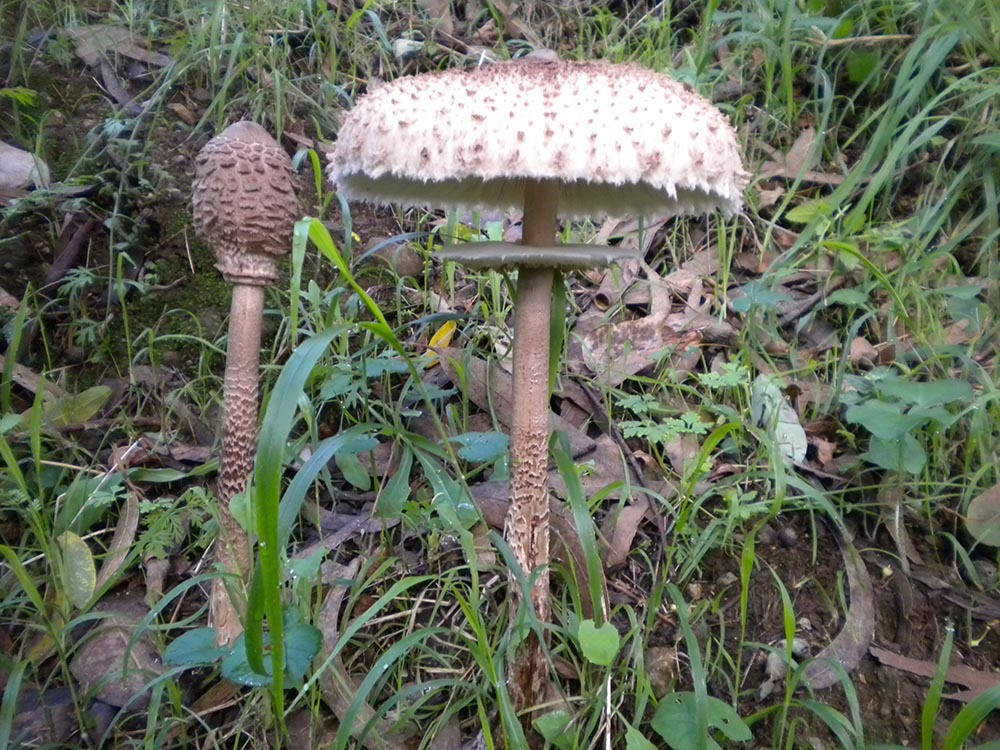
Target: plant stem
[
  {"x": 528, "y": 520},
  {"x": 239, "y": 438}
]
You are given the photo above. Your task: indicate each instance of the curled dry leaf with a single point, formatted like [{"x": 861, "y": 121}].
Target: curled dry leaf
[
  {"x": 851, "y": 644},
  {"x": 337, "y": 687},
  {"x": 490, "y": 388},
  {"x": 95, "y": 43},
  {"x": 976, "y": 681},
  {"x": 616, "y": 351},
  {"x": 115, "y": 658},
  {"x": 20, "y": 169},
  {"x": 626, "y": 526},
  {"x": 798, "y": 162},
  {"x": 862, "y": 353},
  {"x": 983, "y": 517}
]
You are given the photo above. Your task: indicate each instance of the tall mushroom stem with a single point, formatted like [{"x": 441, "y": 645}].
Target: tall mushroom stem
[
  {"x": 244, "y": 206},
  {"x": 239, "y": 438},
  {"x": 528, "y": 520}
]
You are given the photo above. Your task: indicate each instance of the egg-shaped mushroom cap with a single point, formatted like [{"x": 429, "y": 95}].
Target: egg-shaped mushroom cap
[
  {"x": 243, "y": 202},
  {"x": 621, "y": 139}
]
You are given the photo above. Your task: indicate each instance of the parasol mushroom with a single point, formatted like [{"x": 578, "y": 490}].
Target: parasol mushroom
[
  {"x": 244, "y": 207},
  {"x": 556, "y": 139}
]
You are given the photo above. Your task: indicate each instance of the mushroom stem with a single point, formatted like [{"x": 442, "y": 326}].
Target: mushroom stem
[
  {"x": 239, "y": 438},
  {"x": 528, "y": 520}
]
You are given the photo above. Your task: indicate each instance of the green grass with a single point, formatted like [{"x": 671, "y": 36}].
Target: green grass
[{"x": 903, "y": 236}]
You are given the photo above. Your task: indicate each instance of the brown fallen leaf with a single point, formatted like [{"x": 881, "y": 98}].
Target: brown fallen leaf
[
  {"x": 183, "y": 113},
  {"x": 310, "y": 730},
  {"x": 798, "y": 162},
  {"x": 448, "y": 737},
  {"x": 704, "y": 264},
  {"x": 862, "y": 353},
  {"x": 115, "y": 659},
  {"x": 33, "y": 382},
  {"x": 440, "y": 12},
  {"x": 103, "y": 41},
  {"x": 8, "y": 300},
  {"x": 982, "y": 518},
  {"x": 337, "y": 687},
  {"x": 21, "y": 169},
  {"x": 117, "y": 89},
  {"x": 616, "y": 280},
  {"x": 493, "y": 501},
  {"x": 490, "y": 387},
  {"x": 976, "y": 681},
  {"x": 626, "y": 525},
  {"x": 851, "y": 644},
  {"x": 890, "y": 498},
  {"x": 614, "y": 352}
]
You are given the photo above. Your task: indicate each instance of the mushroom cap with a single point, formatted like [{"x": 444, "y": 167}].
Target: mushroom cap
[
  {"x": 619, "y": 139},
  {"x": 244, "y": 204}
]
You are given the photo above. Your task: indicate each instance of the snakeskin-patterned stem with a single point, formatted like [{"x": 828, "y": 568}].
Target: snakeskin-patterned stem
[{"x": 528, "y": 521}]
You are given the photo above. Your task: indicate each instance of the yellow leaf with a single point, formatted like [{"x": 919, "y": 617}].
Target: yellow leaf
[
  {"x": 79, "y": 571},
  {"x": 442, "y": 337}
]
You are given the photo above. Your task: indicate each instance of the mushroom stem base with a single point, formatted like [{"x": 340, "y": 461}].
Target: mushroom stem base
[
  {"x": 528, "y": 521},
  {"x": 239, "y": 440}
]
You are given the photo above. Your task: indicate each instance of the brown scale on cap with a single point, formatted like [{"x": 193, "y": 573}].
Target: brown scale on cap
[
  {"x": 245, "y": 209},
  {"x": 244, "y": 204},
  {"x": 556, "y": 139}
]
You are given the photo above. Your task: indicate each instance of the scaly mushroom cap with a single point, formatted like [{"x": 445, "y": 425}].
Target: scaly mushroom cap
[
  {"x": 244, "y": 204},
  {"x": 619, "y": 138}
]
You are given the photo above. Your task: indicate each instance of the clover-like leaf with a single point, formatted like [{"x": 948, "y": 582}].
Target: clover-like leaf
[{"x": 599, "y": 644}]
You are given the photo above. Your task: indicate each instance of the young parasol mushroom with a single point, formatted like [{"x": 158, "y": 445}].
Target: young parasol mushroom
[
  {"x": 556, "y": 139},
  {"x": 245, "y": 209}
]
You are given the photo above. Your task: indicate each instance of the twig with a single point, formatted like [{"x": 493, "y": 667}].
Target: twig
[{"x": 822, "y": 39}]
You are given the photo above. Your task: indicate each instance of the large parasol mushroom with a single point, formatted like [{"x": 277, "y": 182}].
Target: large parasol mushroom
[
  {"x": 245, "y": 208},
  {"x": 554, "y": 139}
]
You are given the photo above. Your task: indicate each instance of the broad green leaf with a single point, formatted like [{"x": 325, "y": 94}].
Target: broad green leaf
[
  {"x": 807, "y": 212},
  {"x": 904, "y": 454},
  {"x": 599, "y": 644},
  {"x": 635, "y": 740},
  {"x": 451, "y": 499},
  {"x": 236, "y": 668},
  {"x": 378, "y": 366},
  {"x": 302, "y": 643},
  {"x": 882, "y": 419},
  {"x": 354, "y": 471},
  {"x": 848, "y": 298},
  {"x": 921, "y": 415},
  {"x": 983, "y": 517},
  {"x": 79, "y": 572},
  {"x": 930, "y": 393},
  {"x": 156, "y": 476},
  {"x": 242, "y": 510},
  {"x": 553, "y": 727},
  {"x": 194, "y": 648},
  {"x": 79, "y": 407},
  {"x": 861, "y": 63},
  {"x": 756, "y": 294},
  {"x": 481, "y": 447},
  {"x": 396, "y": 491},
  {"x": 306, "y": 569},
  {"x": 675, "y": 721},
  {"x": 87, "y": 501}
]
